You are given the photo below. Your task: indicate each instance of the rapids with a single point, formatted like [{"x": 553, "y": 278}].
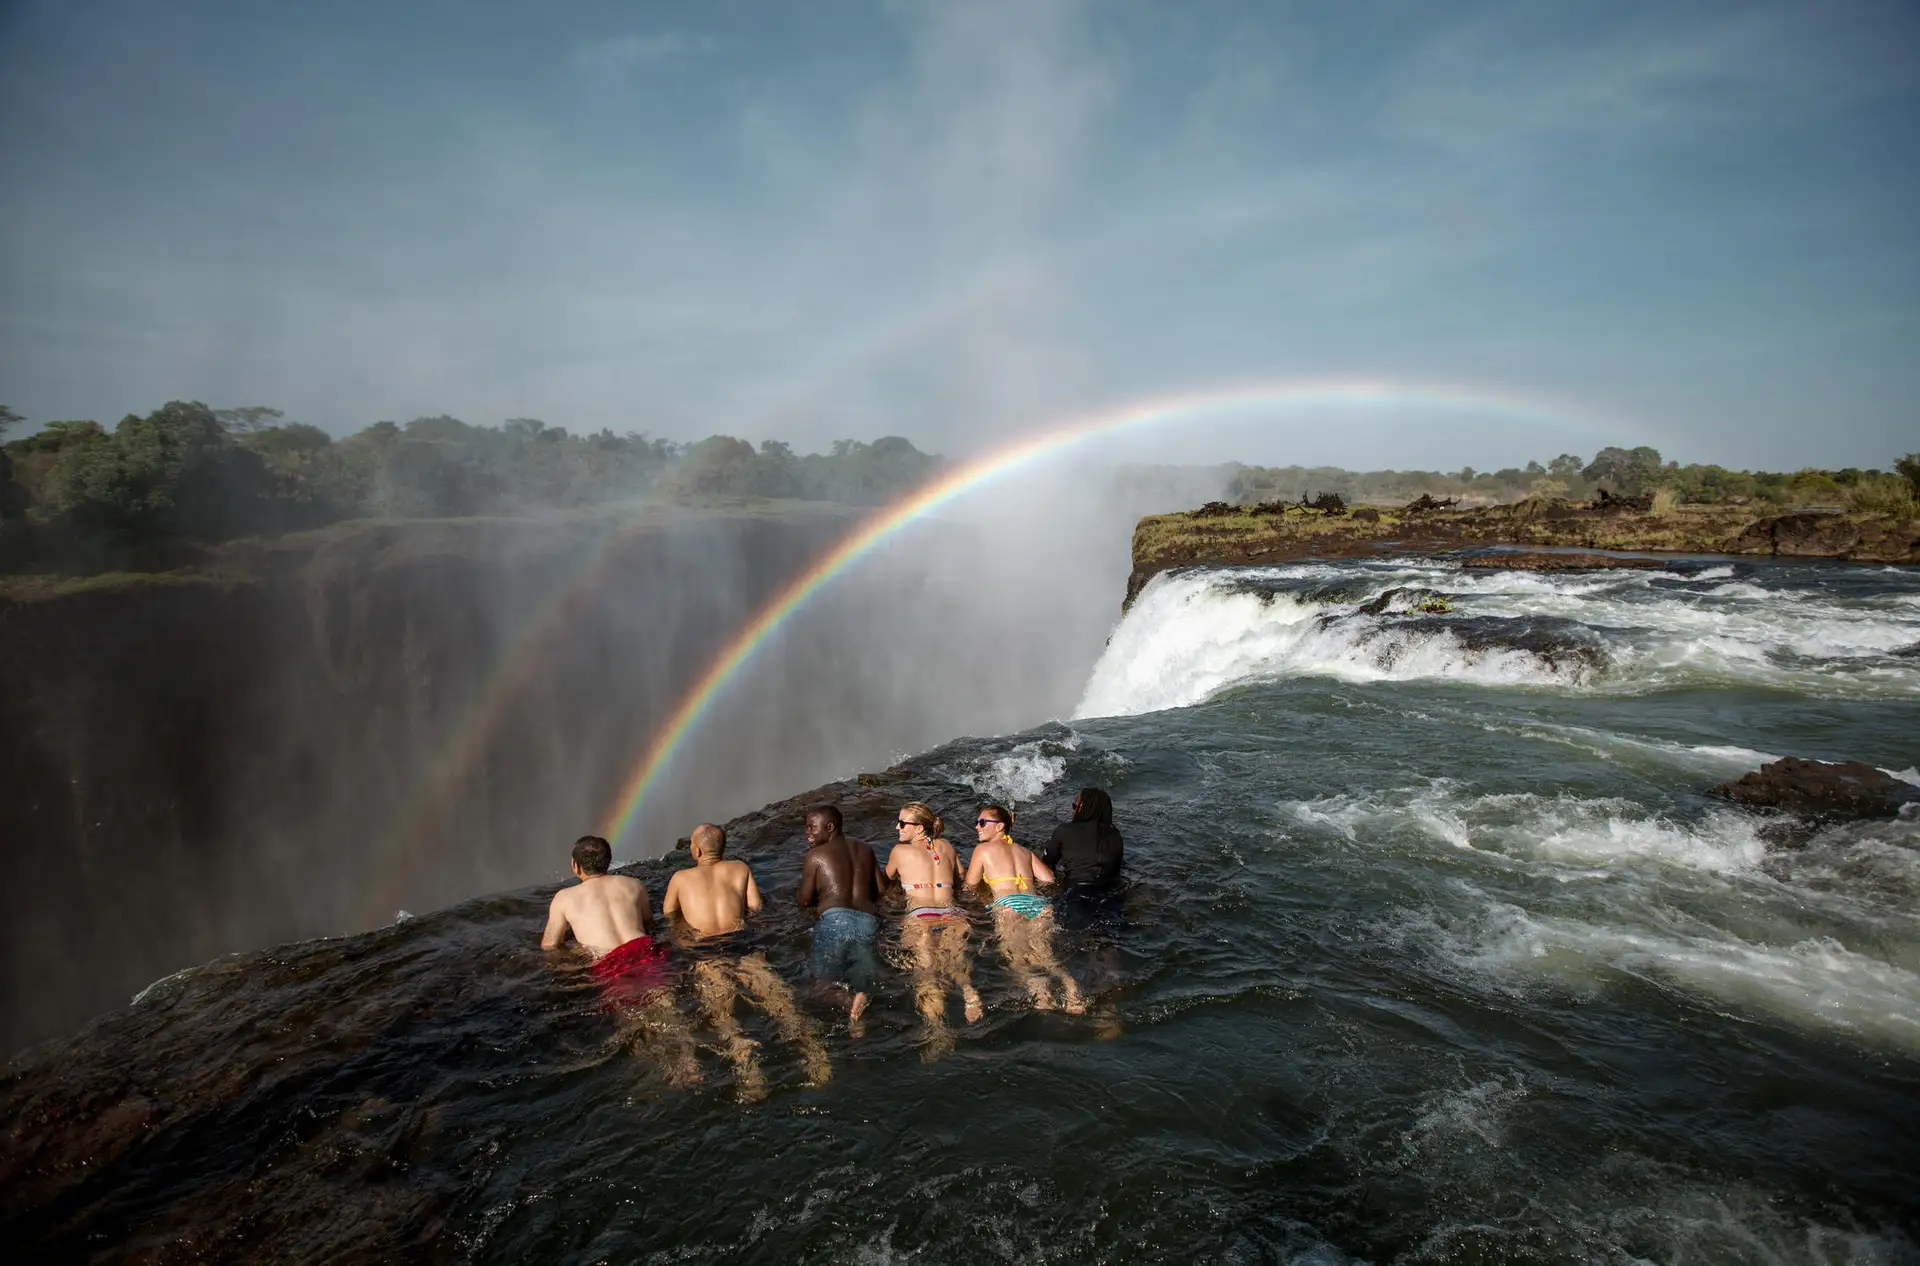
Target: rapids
[{"x": 1434, "y": 949}]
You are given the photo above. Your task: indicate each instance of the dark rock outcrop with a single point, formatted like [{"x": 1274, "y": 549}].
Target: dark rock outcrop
[
  {"x": 1839, "y": 788},
  {"x": 1827, "y": 536}
]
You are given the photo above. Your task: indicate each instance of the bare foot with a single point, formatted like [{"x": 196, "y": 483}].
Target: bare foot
[
  {"x": 1042, "y": 997},
  {"x": 974, "y": 1009},
  {"x": 1076, "y": 1005},
  {"x": 860, "y": 1001}
]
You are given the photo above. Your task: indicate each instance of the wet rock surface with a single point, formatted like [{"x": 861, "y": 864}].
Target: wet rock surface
[
  {"x": 1219, "y": 534},
  {"x": 1836, "y": 788},
  {"x": 1560, "y": 562}
]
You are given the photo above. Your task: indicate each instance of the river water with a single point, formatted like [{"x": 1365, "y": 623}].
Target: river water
[{"x": 1434, "y": 950}]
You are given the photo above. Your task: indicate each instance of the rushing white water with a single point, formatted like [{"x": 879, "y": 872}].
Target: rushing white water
[{"x": 1192, "y": 634}]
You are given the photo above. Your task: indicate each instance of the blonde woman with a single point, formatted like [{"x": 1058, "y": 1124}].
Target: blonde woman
[
  {"x": 1022, "y": 918},
  {"x": 934, "y": 930}
]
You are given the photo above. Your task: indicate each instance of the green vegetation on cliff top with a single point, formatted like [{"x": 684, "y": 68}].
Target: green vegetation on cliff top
[{"x": 157, "y": 493}]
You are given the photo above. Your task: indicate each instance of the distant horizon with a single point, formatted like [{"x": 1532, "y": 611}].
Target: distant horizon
[{"x": 29, "y": 426}]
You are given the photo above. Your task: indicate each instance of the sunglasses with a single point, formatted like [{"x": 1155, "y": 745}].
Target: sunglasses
[
  {"x": 903, "y": 823},
  {"x": 986, "y": 821}
]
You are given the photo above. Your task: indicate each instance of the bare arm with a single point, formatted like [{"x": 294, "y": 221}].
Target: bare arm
[
  {"x": 556, "y": 934},
  {"x": 892, "y": 871},
  {"x": 1042, "y": 871},
  {"x": 646, "y": 909},
  {"x": 753, "y": 894},
  {"x": 976, "y": 867},
  {"x": 670, "y": 904},
  {"x": 808, "y": 893}
]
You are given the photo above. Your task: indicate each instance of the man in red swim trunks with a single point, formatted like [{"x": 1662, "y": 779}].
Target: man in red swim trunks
[{"x": 609, "y": 915}]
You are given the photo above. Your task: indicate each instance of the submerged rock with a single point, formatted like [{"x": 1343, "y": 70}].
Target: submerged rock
[{"x": 1852, "y": 788}]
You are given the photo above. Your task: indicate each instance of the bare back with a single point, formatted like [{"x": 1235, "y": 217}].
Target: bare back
[
  {"x": 1006, "y": 868},
  {"x": 929, "y": 872},
  {"x": 712, "y": 898},
  {"x": 840, "y": 873},
  {"x": 603, "y": 912}
]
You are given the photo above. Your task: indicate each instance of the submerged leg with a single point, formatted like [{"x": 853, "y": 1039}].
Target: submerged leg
[
  {"x": 1040, "y": 954},
  {"x": 715, "y": 984},
  {"x": 1010, "y": 929},
  {"x": 657, "y": 1022},
  {"x": 954, "y": 966},
  {"x": 776, "y": 1000},
  {"x": 929, "y": 991}
]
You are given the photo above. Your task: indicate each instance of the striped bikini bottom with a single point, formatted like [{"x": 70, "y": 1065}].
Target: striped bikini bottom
[{"x": 1024, "y": 904}]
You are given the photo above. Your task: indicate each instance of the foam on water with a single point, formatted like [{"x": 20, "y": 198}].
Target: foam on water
[
  {"x": 1816, "y": 983},
  {"x": 1192, "y": 634},
  {"x": 1558, "y": 829},
  {"x": 1021, "y": 773}
]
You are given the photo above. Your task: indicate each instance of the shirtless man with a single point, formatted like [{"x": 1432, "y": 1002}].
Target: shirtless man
[
  {"x": 714, "y": 895},
  {"x": 839, "y": 877},
  {"x": 609, "y": 916},
  {"x": 605, "y": 912},
  {"x": 712, "y": 899},
  {"x": 934, "y": 930}
]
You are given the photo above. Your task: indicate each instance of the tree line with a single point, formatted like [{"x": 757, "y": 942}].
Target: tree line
[
  {"x": 1623, "y": 472},
  {"x": 75, "y": 493}
]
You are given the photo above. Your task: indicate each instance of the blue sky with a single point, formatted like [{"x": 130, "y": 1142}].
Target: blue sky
[{"x": 1696, "y": 224}]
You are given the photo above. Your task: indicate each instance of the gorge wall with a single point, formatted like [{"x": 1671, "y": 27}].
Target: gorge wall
[{"x": 199, "y": 765}]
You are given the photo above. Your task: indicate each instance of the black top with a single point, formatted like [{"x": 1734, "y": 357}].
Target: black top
[{"x": 1084, "y": 852}]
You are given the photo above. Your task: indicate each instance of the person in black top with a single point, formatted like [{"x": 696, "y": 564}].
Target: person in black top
[{"x": 1087, "y": 852}]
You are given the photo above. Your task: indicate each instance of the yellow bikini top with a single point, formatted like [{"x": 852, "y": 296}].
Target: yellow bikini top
[{"x": 1020, "y": 882}]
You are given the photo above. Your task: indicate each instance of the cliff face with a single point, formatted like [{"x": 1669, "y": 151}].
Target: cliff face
[
  {"x": 203, "y": 764},
  {"x": 1242, "y": 535}
]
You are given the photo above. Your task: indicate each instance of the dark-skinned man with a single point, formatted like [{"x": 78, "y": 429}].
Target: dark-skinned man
[{"x": 840, "y": 879}]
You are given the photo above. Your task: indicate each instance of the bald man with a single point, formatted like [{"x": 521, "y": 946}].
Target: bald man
[{"x": 712, "y": 898}]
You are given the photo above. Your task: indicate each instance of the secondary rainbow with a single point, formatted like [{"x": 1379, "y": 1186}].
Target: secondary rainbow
[
  {"x": 474, "y": 723},
  {"x": 625, "y": 810}
]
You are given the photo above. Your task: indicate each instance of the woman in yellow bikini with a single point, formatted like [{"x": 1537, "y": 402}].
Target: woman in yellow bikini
[
  {"x": 1022, "y": 918},
  {"x": 934, "y": 930}
]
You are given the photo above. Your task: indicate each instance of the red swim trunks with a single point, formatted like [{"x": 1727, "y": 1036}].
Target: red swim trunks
[{"x": 632, "y": 973}]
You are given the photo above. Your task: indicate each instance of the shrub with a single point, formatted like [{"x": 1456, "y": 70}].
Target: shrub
[{"x": 1882, "y": 494}]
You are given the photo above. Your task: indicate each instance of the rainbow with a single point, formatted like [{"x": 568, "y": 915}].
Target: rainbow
[{"x": 624, "y": 813}]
